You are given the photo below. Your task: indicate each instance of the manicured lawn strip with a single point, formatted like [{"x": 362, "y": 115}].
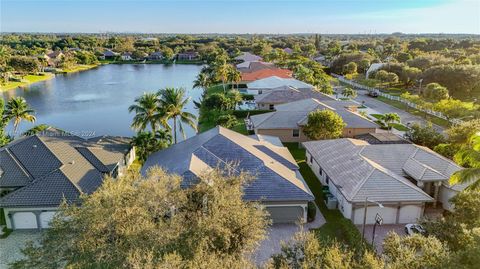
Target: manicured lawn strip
[
  {"x": 80, "y": 68},
  {"x": 29, "y": 80},
  {"x": 337, "y": 227},
  {"x": 377, "y": 116},
  {"x": 399, "y": 126},
  {"x": 415, "y": 112}
]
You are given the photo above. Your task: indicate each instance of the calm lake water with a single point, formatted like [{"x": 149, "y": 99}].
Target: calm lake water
[{"x": 95, "y": 102}]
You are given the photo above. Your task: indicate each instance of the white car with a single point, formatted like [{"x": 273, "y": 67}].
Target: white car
[{"x": 414, "y": 229}]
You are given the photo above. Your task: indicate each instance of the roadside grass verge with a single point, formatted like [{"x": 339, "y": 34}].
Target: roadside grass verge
[
  {"x": 397, "y": 126},
  {"x": 337, "y": 227}
]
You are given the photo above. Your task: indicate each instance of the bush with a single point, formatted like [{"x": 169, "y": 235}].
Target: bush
[
  {"x": 245, "y": 113},
  {"x": 248, "y": 97},
  {"x": 311, "y": 211},
  {"x": 227, "y": 121}
]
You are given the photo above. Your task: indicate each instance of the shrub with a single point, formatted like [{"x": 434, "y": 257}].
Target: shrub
[
  {"x": 245, "y": 113},
  {"x": 248, "y": 97},
  {"x": 227, "y": 121}
]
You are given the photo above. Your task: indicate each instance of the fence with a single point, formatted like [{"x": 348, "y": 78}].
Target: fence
[{"x": 396, "y": 98}]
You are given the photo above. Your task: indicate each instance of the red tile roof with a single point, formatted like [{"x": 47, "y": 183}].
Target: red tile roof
[{"x": 265, "y": 73}]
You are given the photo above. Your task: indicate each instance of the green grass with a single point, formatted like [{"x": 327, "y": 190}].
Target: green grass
[
  {"x": 416, "y": 112},
  {"x": 79, "y": 68},
  {"x": 377, "y": 116},
  {"x": 28, "y": 79},
  {"x": 337, "y": 227},
  {"x": 398, "y": 126}
]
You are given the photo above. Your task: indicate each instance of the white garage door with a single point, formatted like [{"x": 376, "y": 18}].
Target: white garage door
[
  {"x": 45, "y": 218},
  {"x": 24, "y": 220},
  {"x": 409, "y": 213},
  {"x": 285, "y": 214},
  {"x": 388, "y": 214}
]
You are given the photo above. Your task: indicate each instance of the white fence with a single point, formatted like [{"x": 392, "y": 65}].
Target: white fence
[{"x": 396, "y": 98}]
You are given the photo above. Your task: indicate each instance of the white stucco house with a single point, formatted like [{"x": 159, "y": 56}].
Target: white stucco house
[{"x": 400, "y": 177}]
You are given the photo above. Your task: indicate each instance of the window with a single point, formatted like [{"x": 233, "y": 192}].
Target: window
[
  {"x": 296, "y": 133},
  {"x": 327, "y": 179},
  {"x": 320, "y": 171},
  {"x": 271, "y": 107}
]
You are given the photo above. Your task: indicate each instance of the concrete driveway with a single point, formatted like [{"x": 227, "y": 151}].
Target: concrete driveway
[
  {"x": 10, "y": 247},
  {"x": 279, "y": 233},
  {"x": 381, "y": 231}
]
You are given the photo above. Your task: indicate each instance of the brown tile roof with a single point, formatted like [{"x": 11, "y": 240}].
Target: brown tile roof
[{"x": 265, "y": 73}]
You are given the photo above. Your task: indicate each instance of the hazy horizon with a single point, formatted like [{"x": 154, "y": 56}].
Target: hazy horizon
[{"x": 242, "y": 17}]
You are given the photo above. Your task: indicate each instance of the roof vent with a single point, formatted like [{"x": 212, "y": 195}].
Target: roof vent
[
  {"x": 34, "y": 146},
  {"x": 72, "y": 162},
  {"x": 1, "y": 172}
]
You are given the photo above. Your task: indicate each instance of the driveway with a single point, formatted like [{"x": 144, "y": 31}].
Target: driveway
[
  {"x": 383, "y": 108},
  {"x": 10, "y": 246},
  {"x": 282, "y": 233},
  {"x": 381, "y": 231}
]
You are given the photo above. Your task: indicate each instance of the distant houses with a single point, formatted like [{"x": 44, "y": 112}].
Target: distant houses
[
  {"x": 53, "y": 58},
  {"x": 155, "y": 56},
  {"x": 126, "y": 56},
  {"x": 188, "y": 56},
  {"x": 108, "y": 55},
  {"x": 248, "y": 57},
  {"x": 266, "y": 84}
]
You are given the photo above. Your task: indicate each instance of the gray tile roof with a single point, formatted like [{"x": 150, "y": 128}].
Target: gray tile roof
[
  {"x": 13, "y": 175},
  {"x": 289, "y": 95},
  {"x": 54, "y": 157},
  {"x": 273, "y": 167},
  {"x": 294, "y": 114},
  {"x": 379, "y": 172}
]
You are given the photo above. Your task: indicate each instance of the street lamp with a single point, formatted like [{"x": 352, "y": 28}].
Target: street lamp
[{"x": 365, "y": 213}]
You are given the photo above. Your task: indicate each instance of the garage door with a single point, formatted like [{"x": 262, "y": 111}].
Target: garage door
[
  {"x": 388, "y": 214},
  {"x": 285, "y": 214},
  {"x": 409, "y": 213},
  {"x": 24, "y": 220},
  {"x": 45, "y": 218}
]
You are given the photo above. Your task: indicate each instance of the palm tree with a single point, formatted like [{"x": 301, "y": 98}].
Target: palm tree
[
  {"x": 147, "y": 112},
  {"x": 173, "y": 101},
  {"x": 147, "y": 143},
  {"x": 349, "y": 93},
  {"x": 234, "y": 76},
  {"x": 469, "y": 156},
  {"x": 203, "y": 81},
  {"x": 221, "y": 73},
  {"x": 17, "y": 109},
  {"x": 390, "y": 118}
]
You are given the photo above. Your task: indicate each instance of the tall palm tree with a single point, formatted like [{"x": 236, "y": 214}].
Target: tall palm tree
[
  {"x": 173, "y": 101},
  {"x": 17, "y": 109},
  {"x": 221, "y": 73},
  {"x": 147, "y": 112},
  {"x": 469, "y": 156}
]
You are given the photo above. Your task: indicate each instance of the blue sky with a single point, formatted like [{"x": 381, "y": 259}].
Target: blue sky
[{"x": 242, "y": 16}]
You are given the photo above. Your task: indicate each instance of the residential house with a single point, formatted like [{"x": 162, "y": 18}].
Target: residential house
[
  {"x": 373, "y": 68},
  {"x": 247, "y": 67},
  {"x": 155, "y": 56},
  {"x": 126, "y": 56},
  {"x": 286, "y": 94},
  {"x": 109, "y": 55},
  {"x": 53, "y": 58},
  {"x": 288, "y": 50},
  {"x": 394, "y": 180},
  {"x": 38, "y": 172},
  {"x": 188, "y": 56},
  {"x": 265, "y": 73},
  {"x": 277, "y": 184},
  {"x": 266, "y": 84},
  {"x": 288, "y": 120},
  {"x": 248, "y": 57}
]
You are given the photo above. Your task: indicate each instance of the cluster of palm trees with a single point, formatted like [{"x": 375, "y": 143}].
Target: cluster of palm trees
[
  {"x": 16, "y": 110},
  {"x": 220, "y": 70},
  {"x": 469, "y": 156},
  {"x": 156, "y": 110}
]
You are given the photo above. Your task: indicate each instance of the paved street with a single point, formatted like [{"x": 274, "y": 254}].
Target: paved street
[
  {"x": 10, "y": 246},
  {"x": 383, "y": 108}
]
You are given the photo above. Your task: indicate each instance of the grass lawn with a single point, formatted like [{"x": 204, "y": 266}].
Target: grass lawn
[
  {"x": 28, "y": 79},
  {"x": 397, "y": 126},
  {"x": 337, "y": 227},
  {"x": 80, "y": 68},
  {"x": 402, "y": 106}
]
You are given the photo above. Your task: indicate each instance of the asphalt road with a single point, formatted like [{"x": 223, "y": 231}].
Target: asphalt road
[{"x": 383, "y": 108}]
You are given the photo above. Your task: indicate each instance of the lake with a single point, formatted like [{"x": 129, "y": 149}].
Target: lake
[{"x": 95, "y": 102}]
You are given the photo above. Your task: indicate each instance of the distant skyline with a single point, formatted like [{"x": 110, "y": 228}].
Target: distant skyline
[{"x": 242, "y": 16}]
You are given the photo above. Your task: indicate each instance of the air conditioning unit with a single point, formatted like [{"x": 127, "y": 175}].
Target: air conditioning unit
[{"x": 331, "y": 202}]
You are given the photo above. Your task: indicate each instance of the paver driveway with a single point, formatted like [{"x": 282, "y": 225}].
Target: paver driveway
[{"x": 10, "y": 246}]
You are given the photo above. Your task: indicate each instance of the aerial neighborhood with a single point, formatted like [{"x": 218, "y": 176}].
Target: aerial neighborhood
[{"x": 286, "y": 139}]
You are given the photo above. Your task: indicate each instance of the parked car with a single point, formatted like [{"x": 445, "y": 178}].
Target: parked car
[
  {"x": 411, "y": 229},
  {"x": 372, "y": 93}
]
